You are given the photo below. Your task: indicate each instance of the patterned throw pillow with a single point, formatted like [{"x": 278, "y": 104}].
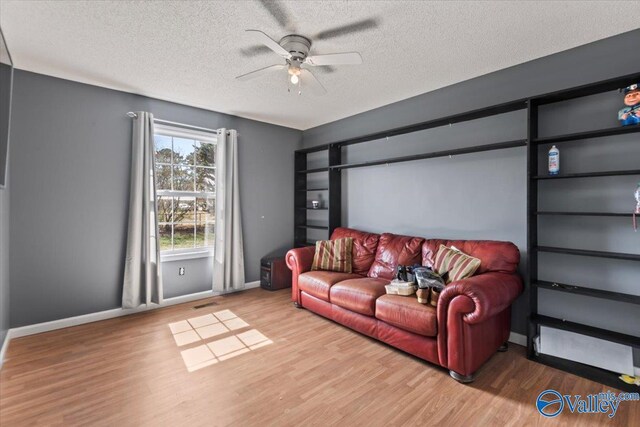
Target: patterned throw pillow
[
  {"x": 333, "y": 255},
  {"x": 457, "y": 264}
]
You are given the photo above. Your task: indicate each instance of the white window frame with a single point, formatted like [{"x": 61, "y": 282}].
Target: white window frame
[{"x": 179, "y": 132}]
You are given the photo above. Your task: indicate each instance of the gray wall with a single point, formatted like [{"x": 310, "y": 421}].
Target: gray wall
[
  {"x": 198, "y": 276},
  {"x": 5, "y": 90},
  {"x": 4, "y": 263},
  {"x": 70, "y": 165},
  {"x": 483, "y": 196}
]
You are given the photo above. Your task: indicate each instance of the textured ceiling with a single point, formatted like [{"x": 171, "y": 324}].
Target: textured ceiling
[{"x": 190, "y": 51}]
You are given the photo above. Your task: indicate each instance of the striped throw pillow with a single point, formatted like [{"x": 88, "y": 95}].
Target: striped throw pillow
[
  {"x": 457, "y": 265},
  {"x": 333, "y": 255}
]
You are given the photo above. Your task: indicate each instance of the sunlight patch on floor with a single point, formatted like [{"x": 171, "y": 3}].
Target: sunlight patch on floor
[{"x": 211, "y": 325}]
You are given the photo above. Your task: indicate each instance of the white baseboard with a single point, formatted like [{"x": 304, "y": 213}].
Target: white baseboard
[
  {"x": 5, "y": 346},
  {"x": 518, "y": 339},
  {"x": 110, "y": 314},
  {"x": 251, "y": 285}
]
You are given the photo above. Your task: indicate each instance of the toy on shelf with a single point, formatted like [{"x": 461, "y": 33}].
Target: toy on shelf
[
  {"x": 637, "y": 211},
  {"x": 630, "y": 380},
  {"x": 630, "y": 115}
]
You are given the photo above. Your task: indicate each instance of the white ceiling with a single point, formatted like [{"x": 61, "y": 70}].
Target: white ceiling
[{"x": 189, "y": 51}]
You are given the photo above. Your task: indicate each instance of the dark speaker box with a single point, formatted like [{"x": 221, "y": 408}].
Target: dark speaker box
[{"x": 274, "y": 273}]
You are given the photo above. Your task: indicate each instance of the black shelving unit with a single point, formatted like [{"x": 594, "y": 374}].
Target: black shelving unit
[
  {"x": 590, "y": 292},
  {"x": 584, "y": 252},
  {"x": 432, "y": 155},
  {"x": 535, "y": 320},
  {"x": 332, "y": 189},
  {"x": 614, "y": 214},
  {"x": 590, "y": 174},
  {"x": 314, "y": 227},
  {"x": 532, "y": 143},
  {"x": 581, "y": 136}
]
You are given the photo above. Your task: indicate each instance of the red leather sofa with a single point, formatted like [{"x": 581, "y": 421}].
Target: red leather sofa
[{"x": 470, "y": 323}]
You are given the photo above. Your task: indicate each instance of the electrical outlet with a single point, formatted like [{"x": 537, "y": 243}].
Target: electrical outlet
[{"x": 181, "y": 271}]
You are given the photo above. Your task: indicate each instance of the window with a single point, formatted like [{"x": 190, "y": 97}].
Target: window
[{"x": 186, "y": 189}]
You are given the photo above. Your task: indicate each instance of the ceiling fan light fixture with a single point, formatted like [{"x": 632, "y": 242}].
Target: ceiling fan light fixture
[
  {"x": 294, "y": 71},
  {"x": 294, "y": 49}
]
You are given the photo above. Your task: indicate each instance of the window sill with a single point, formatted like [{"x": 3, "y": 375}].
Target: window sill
[{"x": 180, "y": 256}]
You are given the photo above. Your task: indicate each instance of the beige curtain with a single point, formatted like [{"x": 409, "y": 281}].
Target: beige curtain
[
  {"x": 142, "y": 278},
  {"x": 228, "y": 268}
]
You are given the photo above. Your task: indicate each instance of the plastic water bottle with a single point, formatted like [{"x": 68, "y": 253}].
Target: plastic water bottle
[{"x": 554, "y": 161}]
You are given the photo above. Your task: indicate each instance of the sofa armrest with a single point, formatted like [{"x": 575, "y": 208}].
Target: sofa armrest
[
  {"x": 474, "y": 319},
  {"x": 299, "y": 261},
  {"x": 491, "y": 293}
]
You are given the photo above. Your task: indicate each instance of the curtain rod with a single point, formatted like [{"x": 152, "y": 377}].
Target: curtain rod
[{"x": 183, "y": 125}]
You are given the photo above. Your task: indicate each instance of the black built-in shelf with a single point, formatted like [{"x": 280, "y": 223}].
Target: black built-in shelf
[
  {"x": 590, "y": 174},
  {"x": 432, "y": 155},
  {"x": 601, "y": 376},
  {"x": 312, "y": 189},
  {"x": 579, "y": 328},
  {"x": 619, "y": 130},
  {"x": 534, "y": 248},
  {"x": 614, "y": 214},
  {"x": 590, "y": 292},
  {"x": 314, "y": 227},
  {"x": 480, "y": 113},
  {"x": 587, "y": 89},
  {"x": 589, "y": 253},
  {"x": 314, "y": 170},
  {"x": 301, "y": 227}
]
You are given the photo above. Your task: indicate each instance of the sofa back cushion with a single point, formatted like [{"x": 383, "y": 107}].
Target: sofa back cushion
[
  {"x": 494, "y": 256},
  {"x": 333, "y": 255},
  {"x": 363, "y": 250},
  {"x": 394, "y": 250}
]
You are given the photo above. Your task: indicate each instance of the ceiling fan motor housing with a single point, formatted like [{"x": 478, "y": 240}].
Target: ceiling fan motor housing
[{"x": 297, "y": 46}]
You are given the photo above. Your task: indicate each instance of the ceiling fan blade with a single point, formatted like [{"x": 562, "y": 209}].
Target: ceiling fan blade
[
  {"x": 278, "y": 12},
  {"x": 355, "y": 27},
  {"x": 261, "y": 37},
  {"x": 255, "y": 50},
  {"x": 309, "y": 80},
  {"x": 348, "y": 58},
  {"x": 327, "y": 69},
  {"x": 261, "y": 72}
]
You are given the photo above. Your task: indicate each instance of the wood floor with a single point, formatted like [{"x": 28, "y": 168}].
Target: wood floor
[{"x": 128, "y": 371}]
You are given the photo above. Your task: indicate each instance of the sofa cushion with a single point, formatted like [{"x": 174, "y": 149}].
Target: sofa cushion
[
  {"x": 394, "y": 250},
  {"x": 358, "y": 295},
  {"x": 500, "y": 257},
  {"x": 455, "y": 264},
  {"x": 408, "y": 314},
  {"x": 363, "y": 250},
  {"x": 318, "y": 283},
  {"x": 333, "y": 255}
]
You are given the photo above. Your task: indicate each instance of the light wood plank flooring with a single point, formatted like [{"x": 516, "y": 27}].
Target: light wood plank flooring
[{"x": 128, "y": 371}]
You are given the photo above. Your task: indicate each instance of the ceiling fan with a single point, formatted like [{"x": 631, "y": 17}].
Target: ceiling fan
[{"x": 294, "y": 49}]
